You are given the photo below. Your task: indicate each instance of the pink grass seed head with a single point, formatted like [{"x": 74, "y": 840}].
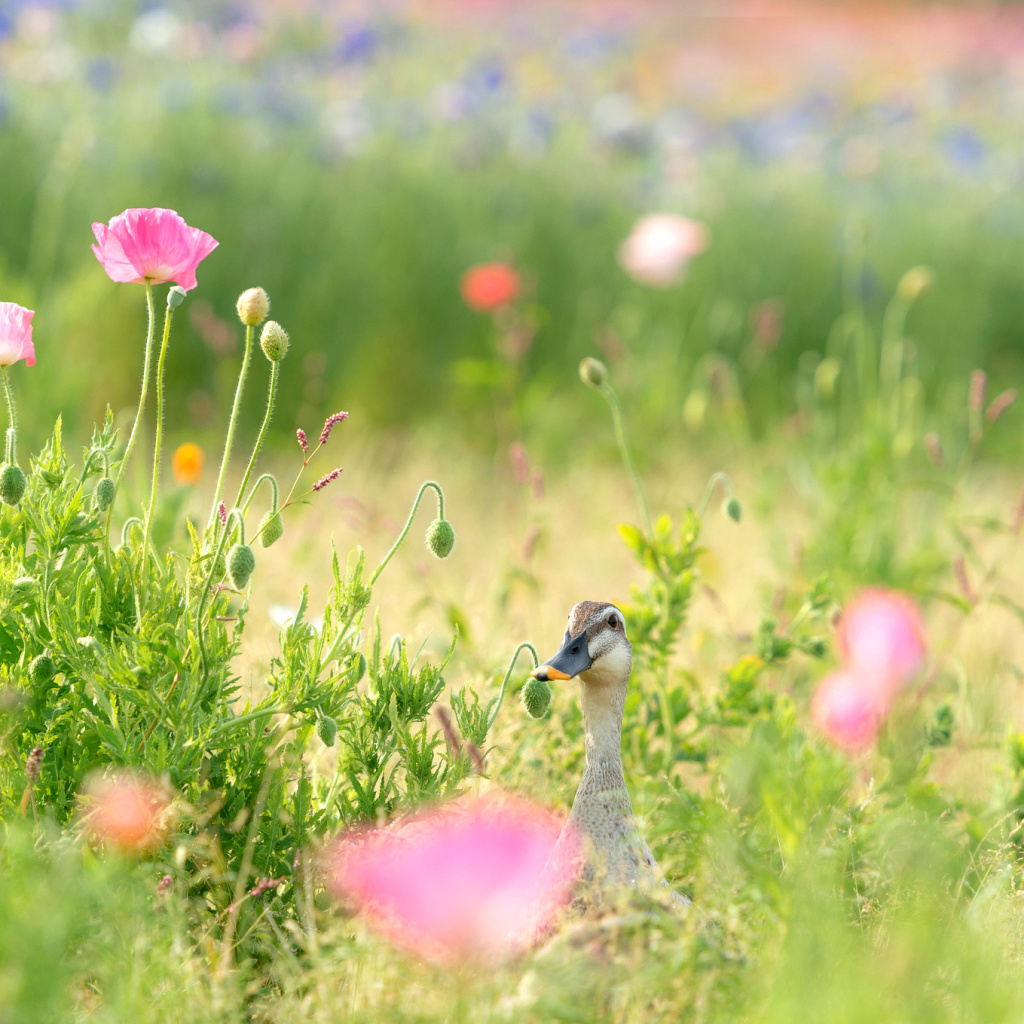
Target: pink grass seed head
[
  {"x": 881, "y": 637},
  {"x": 153, "y": 245},
  {"x": 16, "y": 334},
  {"x": 849, "y": 710},
  {"x": 660, "y": 247},
  {"x": 476, "y": 879}
]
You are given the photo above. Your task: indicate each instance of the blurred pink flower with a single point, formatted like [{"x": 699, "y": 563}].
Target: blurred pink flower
[
  {"x": 660, "y": 247},
  {"x": 129, "y": 812},
  {"x": 16, "y": 334},
  {"x": 152, "y": 245},
  {"x": 477, "y": 878},
  {"x": 848, "y": 709},
  {"x": 489, "y": 286},
  {"x": 881, "y": 637}
]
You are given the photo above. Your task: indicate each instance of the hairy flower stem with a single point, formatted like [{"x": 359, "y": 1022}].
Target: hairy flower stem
[
  {"x": 12, "y": 415},
  {"x": 233, "y": 515},
  {"x": 229, "y": 441},
  {"x": 157, "y": 444},
  {"x": 275, "y": 373},
  {"x": 526, "y": 645},
  {"x": 408, "y": 523},
  {"x": 150, "y": 336},
  {"x": 620, "y": 438}
]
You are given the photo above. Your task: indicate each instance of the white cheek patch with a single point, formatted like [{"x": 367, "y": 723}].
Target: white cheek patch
[{"x": 609, "y": 664}]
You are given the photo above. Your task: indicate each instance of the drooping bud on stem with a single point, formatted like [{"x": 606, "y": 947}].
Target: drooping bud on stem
[
  {"x": 536, "y": 697},
  {"x": 103, "y": 496},
  {"x": 731, "y": 506},
  {"x": 440, "y": 538},
  {"x": 241, "y": 563},
  {"x": 12, "y": 484}
]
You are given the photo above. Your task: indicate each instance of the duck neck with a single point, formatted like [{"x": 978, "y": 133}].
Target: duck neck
[{"x": 603, "y": 703}]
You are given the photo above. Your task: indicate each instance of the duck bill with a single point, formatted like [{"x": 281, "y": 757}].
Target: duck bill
[{"x": 572, "y": 658}]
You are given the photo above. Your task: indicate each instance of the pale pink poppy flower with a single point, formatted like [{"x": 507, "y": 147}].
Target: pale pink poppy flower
[
  {"x": 153, "y": 245},
  {"x": 16, "y": 334},
  {"x": 476, "y": 879},
  {"x": 129, "y": 812},
  {"x": 881, "y": 638},
  {"x": 660, "y": 247},
  {"x": 849, "y": 710}
]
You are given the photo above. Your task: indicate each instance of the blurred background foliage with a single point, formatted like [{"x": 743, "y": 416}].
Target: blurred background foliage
[{"x": 355, "y": 159}]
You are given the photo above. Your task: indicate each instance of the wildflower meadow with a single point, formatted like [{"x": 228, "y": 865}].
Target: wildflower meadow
[{"x": 511, "y": 512}]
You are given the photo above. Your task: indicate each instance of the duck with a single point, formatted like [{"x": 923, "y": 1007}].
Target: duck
[{"x": 602, "y": 826}]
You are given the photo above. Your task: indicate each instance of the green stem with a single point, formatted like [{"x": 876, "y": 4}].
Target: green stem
[
  {"x": 150, "y": 335},
  {"x": 256, "y": 486},
  {"x": 229, "y": 441},
  {"x": 508, "y": 672},
  {"x": 146, "y": 533},
  {"x": 716, "y": 478},
  {"x": 408, "y": 523},
  {"x": 275, "y": 372},
  {"x": 215, "y": 558},
  {"x": 620, "y": 437},
  {"x": 12, "y": 433}
]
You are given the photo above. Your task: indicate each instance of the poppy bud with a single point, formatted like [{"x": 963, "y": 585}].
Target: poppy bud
[
  {"x": 440, "y": 538},
  {"x": 536, "y": 696},
  {"x": 274, "y": 341},
  {"x": 270, "y": 528},
  {"x": 253, "y": 306},
  {"x": 241, "y": 562},
  {"x": 327, "y": 730},
  {"x": 12, "y": 485},
  {"x": 103, "y": 496}
]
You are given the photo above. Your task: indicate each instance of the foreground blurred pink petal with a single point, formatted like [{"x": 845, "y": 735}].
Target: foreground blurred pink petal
[
  {"x": 16, "y": 334},
  {"x": 881, "y": 637},
  {"x": 129, "y": 812},
  {"x": 849, "y": 710},
  {"x": 474, "y": 879},
  {"x": 153, "y": 245},
  {"x": 660, "y": 247}
]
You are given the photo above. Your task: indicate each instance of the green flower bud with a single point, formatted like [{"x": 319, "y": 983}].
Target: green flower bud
[
  {"x": 103, "y": 496},
  {"x": 41, "y": 669},
  {"x": 175, "y": 297},
  {"x": 241, "y": 562},
  {"x": 327, "y": 730},
  {"x": 270, "y": 528},
  {"x": 593, "y": 372},
  {"x": 274, "y": 341},
  {"x": 23, "y": 587},
  {"x": 536, "y": 696},
  {"x": 732, "y": 509},
  {"x": 441, "y": 538},
  {"x": 253, "y": 306},
  {"x": 12, "y": 485}
]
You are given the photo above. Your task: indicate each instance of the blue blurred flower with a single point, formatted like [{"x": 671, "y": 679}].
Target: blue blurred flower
[{"x": 964, "y": 148}]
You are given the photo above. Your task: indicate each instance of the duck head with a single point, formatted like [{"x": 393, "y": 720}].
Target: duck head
[{"x": 595, "y": 647}]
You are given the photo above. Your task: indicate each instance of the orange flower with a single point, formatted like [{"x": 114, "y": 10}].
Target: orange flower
[
  {"x": 489, "y": 286},
  {"x": 188, "y": 463}
]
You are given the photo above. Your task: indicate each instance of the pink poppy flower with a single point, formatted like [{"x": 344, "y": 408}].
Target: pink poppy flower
[
  {"x": 489, "y": 286},
  {"x": 16, "y": 334},
  {"x": 478, "y": 878},
  {"x": 881, "y": 638},
  {"x": 129, "y": 813},
  {"x": 151, "y": 245},
  {"x": 849, "y": 710},
  {"x": 660, "y": 247}
]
